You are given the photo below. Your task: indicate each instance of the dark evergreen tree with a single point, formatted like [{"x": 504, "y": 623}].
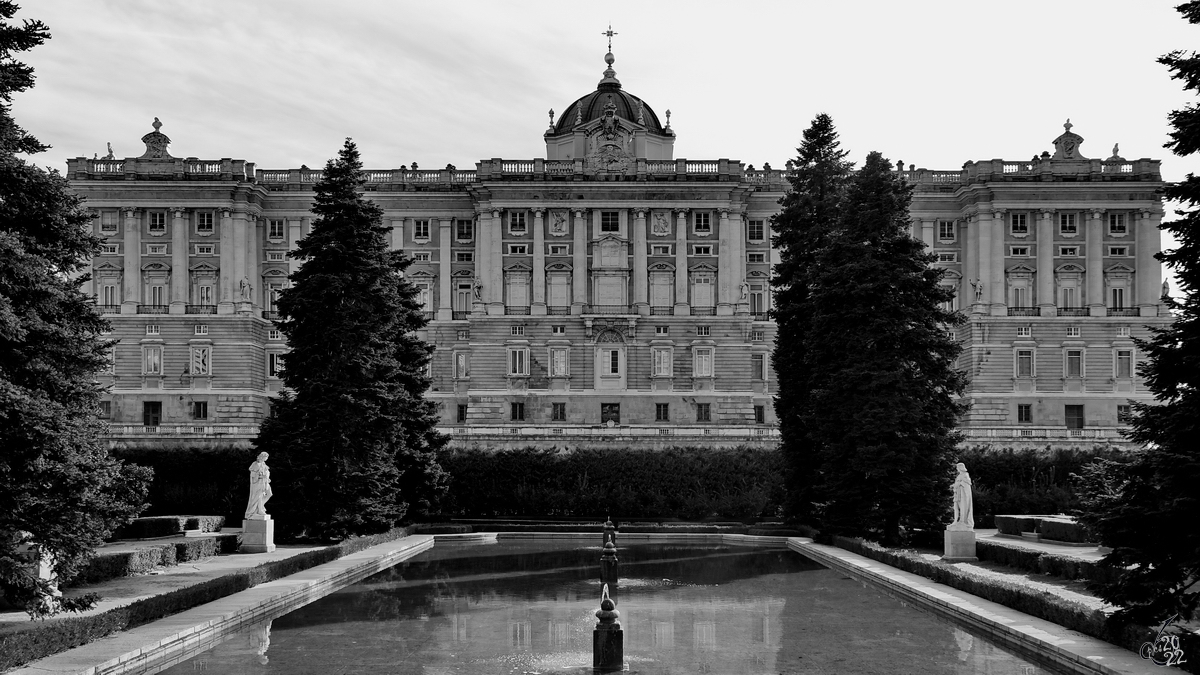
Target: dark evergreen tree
[
  {"x": 883, "y": 399},
  {"x": 810, "y": 207},
  {"x": 1148, "y": 511},
  {"x": 60, "y": 492},
  {"x": 352, "y": 439}
]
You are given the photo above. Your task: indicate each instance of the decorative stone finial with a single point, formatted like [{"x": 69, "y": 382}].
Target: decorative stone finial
[
  {"x": 156, "y": 143},
  {"x": 608, "y": 612},
  {"x": 609, "y": 33},
  {"x": 552, "y": 117},
  {"x": 668, "y": 119},
  {"x": 578, "y": 115},
  {"x": 641, "y": 113},
  {"x": 1116, "y": 156},
  {"x": 1067, "y": 145},
  {"x": 157, "y": 125}
]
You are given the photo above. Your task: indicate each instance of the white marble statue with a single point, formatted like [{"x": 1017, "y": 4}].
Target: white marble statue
[
  {"x": 964, "y": 507},
  {"x": 260, "y": 487}
]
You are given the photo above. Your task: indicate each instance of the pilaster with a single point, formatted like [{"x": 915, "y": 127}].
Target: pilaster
[
  {"x": 132, "y": 260},
  {"x": 997, "y": 290},
  {"x": 179, "y": 261},
  {"x": 641, "y": 275},
  {"x": 445, "y": 301},
  {"x": 984, "y": 224},
  {"x": 1148, "y": 274},
  {"x": 496, "y": 268},
  {"x": 927, "y": 231},
  {"x": 725, "y": 250},
  {"x": 483, "y": 262},
  {"x": 255, "y": 233},
  {"x": 1095, "y": 263},
  {"x": 241, "y": 275},
  {"x": 738, "y": 225},
  {"x": 579, "y": 261},
  {"x": 681, "y": 278},
  {"x": 1047, "y": 303},
  {"x": 228, "y": 282},
  {"x": 538, "y": 307}
]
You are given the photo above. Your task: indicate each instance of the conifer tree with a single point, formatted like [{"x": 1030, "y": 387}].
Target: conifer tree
[
  {"x": 352, "y": 440},
  {"x": 1148, "y": 511},
  {"x": 60, "y": 492}
]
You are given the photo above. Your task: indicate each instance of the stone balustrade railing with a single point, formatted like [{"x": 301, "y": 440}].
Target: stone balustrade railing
[
  {"x": 1040, "y": 170},
  {"x": 169, "y": 168}
]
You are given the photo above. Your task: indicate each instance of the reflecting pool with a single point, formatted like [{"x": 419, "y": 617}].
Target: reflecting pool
[{"x": 528, "y": 608}]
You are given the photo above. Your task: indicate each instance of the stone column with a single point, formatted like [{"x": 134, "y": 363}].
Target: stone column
[
  {"x": 240, "y": 272},
  {"x": 179, "y": 261},
  {"x": 681, "y": 278},
  {"x": 1148, "y": 275},
  {"x": 229, "y": 280},
  {"x": 483, "y": 252},
  {"x": 445, "y": 301},
  {"x": 1095, "y": 263},
  {"x": 738, "y": 225},
  {"x": 968, "y": 242},
  {"x": 579, "y": 261},
  {"x": 496, "y": 265},
  {"x": 538, "y": 308},
  {"x": 927, "y": 232},
  {"x": 984, "y": 256},
  {"x": 255, "y": 231},
  {"x": 725, "y": 249},
  {"x": 396, "y": 238},
  {"x": 641, "y": 275},
  {"x": 295, "y": 233},
  {"x": 997, "y": 289},
  {"x": 1047, "y": 303},
  {"x": 133, "y": 261}
]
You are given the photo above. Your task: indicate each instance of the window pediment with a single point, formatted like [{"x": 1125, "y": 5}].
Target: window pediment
[
  {"x": 1069, "y": 268},
  {"x": 558, "y": 267},
  {"x": 757, "y": 274},
  {"x": 518, "y": 267},
  {"x": 108, "y": 267},
  {"x": 703, "y": 267},
  {"x": 274, "y": 272},
  {"x": 156, "y": 267},
  {"x": 661, "y": 267}
]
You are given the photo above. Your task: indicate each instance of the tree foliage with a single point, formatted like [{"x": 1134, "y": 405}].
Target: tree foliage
[
  {"x": 60, "y": 492},
  {"x": 352, "y": 439},
  {"x": 1148, "y": 510}
]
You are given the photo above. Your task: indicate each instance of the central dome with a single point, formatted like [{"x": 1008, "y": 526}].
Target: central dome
[{"x": 593, "y": 105}]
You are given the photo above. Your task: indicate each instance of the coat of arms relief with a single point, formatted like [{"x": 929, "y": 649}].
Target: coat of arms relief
[{"x": 610, "y": 144}]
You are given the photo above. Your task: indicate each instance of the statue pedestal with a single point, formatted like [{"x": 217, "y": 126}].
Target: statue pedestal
[
  {"x": 258, "y": 535},
  {"x": 960, "y": 546}
]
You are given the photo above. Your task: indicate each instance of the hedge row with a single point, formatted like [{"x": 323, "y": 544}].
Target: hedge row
[
  {"x": 31, "y": 641},
  {"x": 195, "y": 479},
  {"x": 107, "y": 566},
  {"x": 1054, "y": 528},
  {"x": 1061, "y": 566}
]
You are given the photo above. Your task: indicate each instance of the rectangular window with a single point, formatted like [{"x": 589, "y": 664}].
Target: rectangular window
[
  {"x": 464, "y": 230},
  {"x": 610, "y": 221},
  {"x": 158, "y": 222},
  {"x": 199, "y": 410},
  {"x": 1116, "y": 223},
  {"x": 1068, "y": 251},
  {"x": 516, "y": 331},
  {"x": 757, "y": 336},
  {"x": 946, "y": 230},
  {"x": 462, "y": 365},
  {"x": 756, "y": 258},
  {"x": 703, "y": 412},
  {"x": 275, "y": 364},
  {"x": 758, "y": 366},
  {"x": 158, "y": 295},
  {"x": 464, "y": 256},
  {"x": 610, "y": 412},
  {"x": 1068, "y": 297},
  {"x": 662, "y": 412},
  {"x": 614, "y": 362},
  {"x": 516, "y": 222},
  {"x": 156, "y": 249},
  {"x": 947, "y": 256},
  {"x": 702, "y": 249},
  {"x": 275, "y": 229},
  {"x": 421, "y": 256},
  {"x": 152, "y": 329},
  {"x": 1123, "y": 331},
  {"x": 662, "y": 330},
  {"x": 151, "y": 413},
  {"x": 663, "y": 361},
  {"x": 558, "y": 362},
  {"x": 1072, "y": 331},
  {"x": 1074, "y": 416},
  {"x": 461, "y": 417},
  {"x": 702, "y": 362},
  {"x": 560, "y": 249},
  {"x": 1124, "y": 363},
  {"x": 204, "y": 223},
  {"x": 204, "y": 249},
  {"x": 1025, "y": 413},
  {"x": 1066, "y": 224},
  {"x": 518, "y": 249},
  {"x": 660, "y": 249},
  {"x": 1118, "y": 251},
  {"x": 516, "y": 412},
  {"x": 201, "y": 329},
  {"x": 421, "y": 229},
  {"x": 108, "y": 222},
  {"x": 558, "y": 412},
  {"x": 205, "y": 295},
  {"x": 108, "y": 295},
  {"x": 274, "y": 334},
  {"x": 1074, "y": 363},
  {"x": 1024, "y": 363},
  {"x": 518, "y": 361},
  {"x": 152, "y": 360},
  {"x": 702, "y": 331},
  {"x": 558, "y": 330},
  {"x": 760, "y": 414},
  {"x": 1123, "y": 412},
  {"x": 1020, "y": 296},
  {"x": 1018, "y": 223},
  {"x": 110, "y": 249},
  {"x": 755, "y": 231},
  {"x": 274, "y": 256},
  {"x": 1024, "y": 331},
  {"x": 703, "y": 223},
  {"x": 105, "y": 410},
  {"x": 1018, "y": 251}
]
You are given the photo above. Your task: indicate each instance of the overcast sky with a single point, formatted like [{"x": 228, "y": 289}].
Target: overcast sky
[{"x": 282, "y": 83}]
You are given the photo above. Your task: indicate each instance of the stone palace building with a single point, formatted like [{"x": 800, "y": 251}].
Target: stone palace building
[{"x": 611, "y": 292}]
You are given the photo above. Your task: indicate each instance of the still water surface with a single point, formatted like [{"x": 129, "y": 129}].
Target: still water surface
[{"x": 528, "y": 608}]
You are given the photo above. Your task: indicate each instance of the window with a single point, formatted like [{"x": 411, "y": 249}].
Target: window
[
  {"x": 152, "y": 329},
  {"x": 463, "y": 334},
  {"x": 558, "y": 412},
  {"x": 201, "y": 329},
  {"x": 462, "y": 365},
  {"x": 702, "y": 362},
  {"x": 464, "y": 256},
  {"x": 518, "y": 361},
  {"x": 1018, "y": 223},
  {"x": 663, "y": 361},
  {"x": 275, "y": 229},
  {"x": 702, "y": 223},
  {"x": 1072, "y": 331},
  {"x": 108, "y": 222},
  {"x": 110, "y": 249},
  {"x": 702, "y": 289},
  {"x": 421, "y": 229},
  {"x": 421, "y": 256},
  {"x": 1123, "y": 331},
  {"x": 758, "y": 366},
  {"x": 516, "y": 411},
  {"x": 151, "y": 413},
  {"x": 158, "y": 222},
  {"x": 1024, "y": 331},
  {"x": 660, "y": 249},
  {"x": 612, "y": 361},
  {"x": 702, "y": 331},
  {"x": 274, "y": 334},
  {"x": 204, "y": 223},
  {"x": 108, "y": 295},
  {"x": 756, "y": 258},
  {"x": 558, "y": 362},
  {"x": 461, "y": 417},
  {"x": 1020, "y": 296},
  {"x": 274, "y": 256},
  {"x": 1066, "y": 224},
  {"x": 1116, "y": 224},
  {"x": 1124, "y": 364},
  {"x": 1024, "y": 363},
  {"x": 755, "y": 230},
  {"x": 518, "y": 249},
  {"x": 760, "y": 414},
  {"x": 1068, "y": 297},
  {"x": 947, "y": 256},
  {"x": 516, "y": 222},
  {"x": 516, "y": 331},
  {"x": 1025, "y": 413},
  {"x": 1018, "y": 251},
  {"x": 205, "y": 295},
  {"x": 703, "y": 412},
  {"x": 105, "y": 410},
  {"x": 1123, "y": 412},
  {"x": 156, "y": 249},
  {"x": 558, "y": 330},
  {"x": 757, "y": 335},
  {"x": 662, "y": 412},
  {"x": 662, "y": 330},
  {"x": 275, "y": 364},
  {"x": 1074, "y": 416},
  {"x": 610, "y": 221},
  {"x": 1068, "y": 251},
  {"x": 560, "y": 249},
  {"x": 1074, "y": 363},
  {"x": 1118, "y": 251},
  {"x": 946, "y": 230},
  {"x": 702, "y": 249},
  {"x": 199, "y": 410},
  {"x": 205, "y": 249},
  {"x": 610, "y": 412},
  {"x": 152, "y": 360}
]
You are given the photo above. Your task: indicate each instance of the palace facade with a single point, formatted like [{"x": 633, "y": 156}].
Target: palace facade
[{"x": 611, "y": 292}]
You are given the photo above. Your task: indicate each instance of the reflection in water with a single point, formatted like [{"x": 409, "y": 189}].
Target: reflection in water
[{"x": 528, "y": 608}]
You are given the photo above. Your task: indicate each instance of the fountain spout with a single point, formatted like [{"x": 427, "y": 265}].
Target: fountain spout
[
  {"x": 608, "y": 569},
  {"x": 608, "y": 640}
]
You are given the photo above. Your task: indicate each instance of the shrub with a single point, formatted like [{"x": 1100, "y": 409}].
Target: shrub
[
  {"x": 1015, "y": 525},
  {"x": 156, "y": 526},
  {"x": 206, "y": 523},
  {"x": 195, "y": 479},
  {"x": 1063, "y": 529}
]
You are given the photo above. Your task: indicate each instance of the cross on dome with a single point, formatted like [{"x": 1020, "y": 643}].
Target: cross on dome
[{"x": 609, "y": 33}]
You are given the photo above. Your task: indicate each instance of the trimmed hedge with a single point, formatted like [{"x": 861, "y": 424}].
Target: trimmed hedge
[
  {"x": 154, "y": 526},
  {"x": 32, "y": 641},
  {"x": 1015, "y": 525},
  {"x": 206, "y": 523},
  {"x": 107, "y": 566},
  {"x": 195, "y": 479},
  {"x": 1063, "y": 529},
  {"x": 1030, "y": 560}
]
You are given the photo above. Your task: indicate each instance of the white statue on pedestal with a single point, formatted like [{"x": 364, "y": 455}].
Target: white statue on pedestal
[
  {"x": 260, "y": 487},
  {"x": 964, "y": 507}
]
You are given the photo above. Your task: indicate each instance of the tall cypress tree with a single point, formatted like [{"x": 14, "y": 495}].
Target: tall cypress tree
[
  {"x": 883, "y": 398},
  {"x": 808, "y": 210},
  {"x": 1149, "y": 510},
  {"x": 352, "y": 439},
  {"x": 60, "y": 492}
]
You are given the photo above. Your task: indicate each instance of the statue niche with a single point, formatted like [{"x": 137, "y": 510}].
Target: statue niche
[{"x": 610, "y": 143}]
